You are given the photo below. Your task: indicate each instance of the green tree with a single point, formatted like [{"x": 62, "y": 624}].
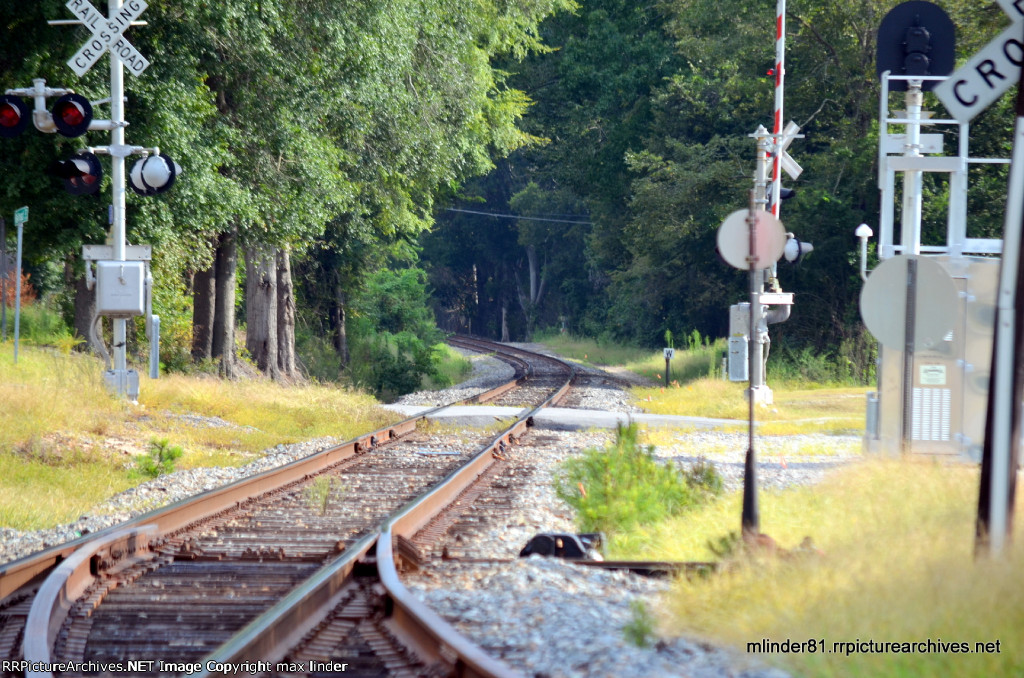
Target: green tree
[
  {"x": 288, "y": 118},
  {"x": 591, "y": 104},
  {"x": 393, "y": 333}
]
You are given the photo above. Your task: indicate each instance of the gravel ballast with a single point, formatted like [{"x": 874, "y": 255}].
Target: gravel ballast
[
  {"x": 548, "y": 617},
  {"x": 543, "y": 616},
  {"x": 150, "y": 495},
  {"x": 556, "y": 619}
]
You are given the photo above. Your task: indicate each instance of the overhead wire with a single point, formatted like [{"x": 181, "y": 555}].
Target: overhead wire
[{"x": 517, "y": 216}]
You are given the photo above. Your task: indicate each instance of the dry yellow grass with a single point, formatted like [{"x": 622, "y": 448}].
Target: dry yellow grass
[
  {"x": 795, "y": 410},
  {"x": 66, "y": 443},
  {"x": 47, "y": 389},
  {"x": 897, "y": 566},
  {"x": 267, "y": 412}
]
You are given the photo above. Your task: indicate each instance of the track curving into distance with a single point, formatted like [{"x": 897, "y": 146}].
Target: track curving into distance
[{"x": 294, "y": 565}]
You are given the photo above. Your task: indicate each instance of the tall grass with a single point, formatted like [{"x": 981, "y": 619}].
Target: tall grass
[
  {"x": 36, "y": 494},
  {"x": 696, "y": 358},
  {"x": 896, "y": 565},
  {"x": 696, "y": 388},
  {"x": 66, "y": 442},
  {"x": 699, "y": 357},
  {"x": 592, "y": 351},
  {"x": 47, "y": 391},
  {"x": 450, "y": 367},
  {"x": 267, "y": 412}
]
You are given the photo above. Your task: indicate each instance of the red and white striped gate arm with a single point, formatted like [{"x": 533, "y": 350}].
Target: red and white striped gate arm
[{"x": 780, "y": 71}]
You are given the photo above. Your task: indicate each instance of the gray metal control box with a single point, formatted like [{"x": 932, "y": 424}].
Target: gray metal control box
[
  {"x": 933, "y": 401},
  {"x": 739, "y": 342},
  {"x": 119, "y": 288}
]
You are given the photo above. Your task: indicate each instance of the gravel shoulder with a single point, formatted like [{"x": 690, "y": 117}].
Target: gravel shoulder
[
  {"x": 546, "y": 617},
  {"x": 551, "y": 618}
]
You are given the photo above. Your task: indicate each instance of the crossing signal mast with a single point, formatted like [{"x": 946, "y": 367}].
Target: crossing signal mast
[
  {"x": 122, "y": 283},
  {"x": 754, "y": 239}
]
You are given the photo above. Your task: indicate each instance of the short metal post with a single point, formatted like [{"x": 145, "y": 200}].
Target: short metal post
[
  {"x": 912, "y": 179},
  {"x": 3, "y": 278},
  {"x": 908, "y": 355},
  {"x": 751, "y": 517},
  {"x": 17, "y": 296},
  {"x": 119, "y": 188},
  {"x": 154, "y": 348},
  {"x": 1003, "y": 423}
]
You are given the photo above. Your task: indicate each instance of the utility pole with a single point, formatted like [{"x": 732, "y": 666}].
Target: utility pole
[
  {"x": 1001, "y": 454},
  {"x": 751, "y": 514}
]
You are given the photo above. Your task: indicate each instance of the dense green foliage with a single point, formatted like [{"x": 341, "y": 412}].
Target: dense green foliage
[
  {"x": 604, "y": 142},
  {"x": 40, "y": 325},
  {"x": 393, "y": 334},
  {"x": 325, "y": 127},
  {"x": 619, "y": 488},
  {"x": 648, "y": 110}
]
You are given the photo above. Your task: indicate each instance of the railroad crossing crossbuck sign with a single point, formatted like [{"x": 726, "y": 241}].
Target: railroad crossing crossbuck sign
[
  {"x": 989, "y": 73},
  {"x": 107, "y": 35}
]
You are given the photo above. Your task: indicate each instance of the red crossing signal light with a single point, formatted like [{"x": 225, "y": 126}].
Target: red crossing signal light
[
  {"x": 81, "y": 173},
  {"x": 14, "y": 116},
  {"x": 72, "y": 114}
]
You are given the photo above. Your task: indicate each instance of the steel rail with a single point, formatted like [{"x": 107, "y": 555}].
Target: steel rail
[
  {"x": 523, "y": 368},
  {"x": 506, "y": 352},
  {"x": 179, "y": 515},
  {"x": 60, "y": 591},
  {"x": 84, "y": 566},
  {"x": 416, "y": 622},
  {"x": 17, "y": 573},
  {"x": 271, "y": 635},
  {"x": 78, "y": 563},
  {"x": 69, "y": 568}
]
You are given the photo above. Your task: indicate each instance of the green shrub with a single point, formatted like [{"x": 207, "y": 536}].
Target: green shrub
[
  {"x": 160, "y": 459},
  {"x": 810, "y": 365},
  {"x": 392, "y": 334},
  {"x": 315, "y": 351},
  {"x": 623, "y": 486},
  {"x": 39, "y": 324},
  {"x": 450, "y": 367}
]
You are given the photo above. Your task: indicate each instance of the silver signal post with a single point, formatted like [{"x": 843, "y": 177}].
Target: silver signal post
[{"x": 108, "y": 38}]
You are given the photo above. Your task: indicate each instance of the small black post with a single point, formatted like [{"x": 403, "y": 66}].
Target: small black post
[
  {"x": 3, "y": 278},
  {"x": 751, "y": 519}
]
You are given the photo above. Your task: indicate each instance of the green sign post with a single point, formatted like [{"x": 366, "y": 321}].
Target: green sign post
[{"x": 20, "y": 217}]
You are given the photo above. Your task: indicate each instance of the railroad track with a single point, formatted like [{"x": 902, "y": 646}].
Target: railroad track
[
  {"x": 297, "y": 565},
  {"x": 537, "y": 375}
]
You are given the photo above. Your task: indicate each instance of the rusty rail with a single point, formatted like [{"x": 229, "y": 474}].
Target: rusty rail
[
  {"x": 60, "y": 590},
  {"x": 270, "y": 636},
  {"x": 75, "y": 564},
  {"x": 179, "y": 515}
]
